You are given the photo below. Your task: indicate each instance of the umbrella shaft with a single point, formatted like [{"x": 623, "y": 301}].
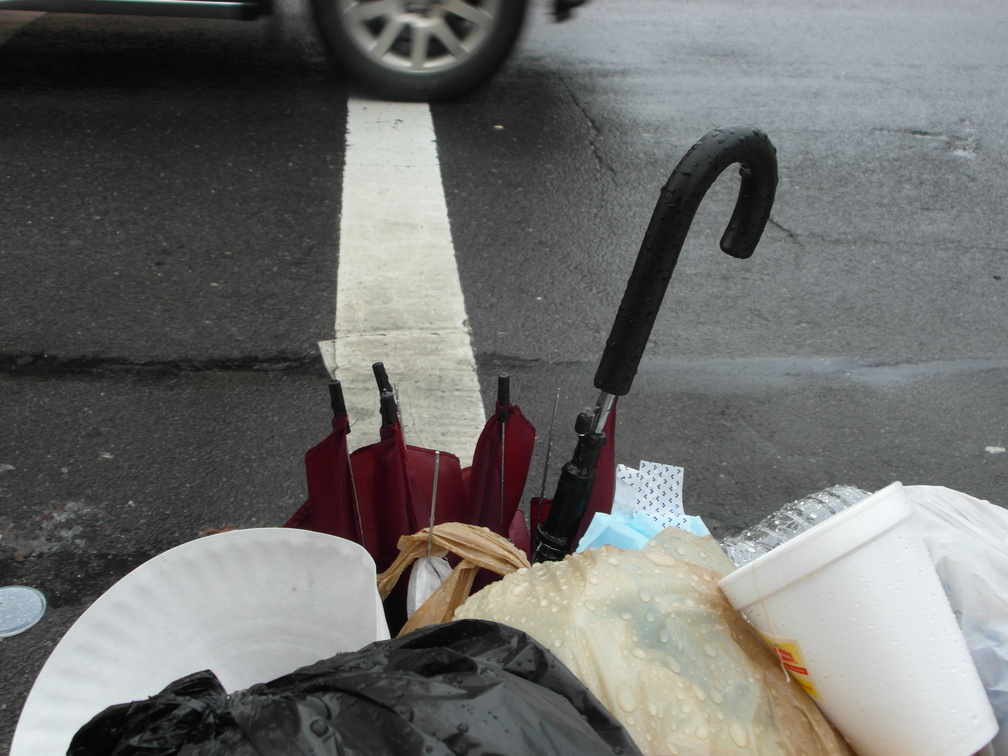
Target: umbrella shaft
[
  {"x": 433, "y": 504},
  {"x": 603, "y": 406},
  {"x": 549, "y": 447},
  {"x": 503, "y": 442},
  {"x": 555, "y": 537}
]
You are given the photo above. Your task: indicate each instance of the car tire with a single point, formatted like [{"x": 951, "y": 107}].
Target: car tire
[{"x": 419, "y": 50}]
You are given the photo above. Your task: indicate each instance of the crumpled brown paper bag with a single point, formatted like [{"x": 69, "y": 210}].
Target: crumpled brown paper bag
[
  {"x": 651, "y": 635},
  {"x": 478, "y": 548}
]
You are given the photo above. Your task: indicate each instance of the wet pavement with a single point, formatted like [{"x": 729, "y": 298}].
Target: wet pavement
[{"x": 170, "y": 251}]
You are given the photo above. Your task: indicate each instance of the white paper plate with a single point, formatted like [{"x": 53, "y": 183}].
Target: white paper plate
[{"x": 251, "y": 605}]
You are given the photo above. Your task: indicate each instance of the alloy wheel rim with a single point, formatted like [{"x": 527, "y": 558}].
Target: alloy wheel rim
[{"x": 419, "y": 37}]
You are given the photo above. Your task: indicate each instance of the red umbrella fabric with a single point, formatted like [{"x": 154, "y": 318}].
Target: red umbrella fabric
[
  {"x": 388, "y": 493},
  {"x": 452, "y": 503},
  {"x": 503, "y": 454},
  {"x": 332, "y": 505},
  {"x": 385, "y": 490},
  {"x": 368, "y": 496},
  {"x": 377, "y": 493},
  {"x": 452, "y": 500}
]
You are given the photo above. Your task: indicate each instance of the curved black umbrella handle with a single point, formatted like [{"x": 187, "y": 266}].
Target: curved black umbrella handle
[{"x": 665, "y": 235}]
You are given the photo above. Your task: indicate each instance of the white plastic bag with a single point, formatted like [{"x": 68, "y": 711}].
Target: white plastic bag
[
  {"x": 426, "y": 577},
  {"x": 968, "y": 542}
]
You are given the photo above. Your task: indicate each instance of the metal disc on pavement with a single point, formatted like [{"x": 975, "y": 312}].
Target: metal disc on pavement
[{"x": 20, "y": 608}]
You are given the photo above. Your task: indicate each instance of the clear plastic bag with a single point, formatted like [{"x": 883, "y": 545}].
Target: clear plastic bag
[
  {"x": 651, "y": 635},
  {"x": 968, "y": 542}
]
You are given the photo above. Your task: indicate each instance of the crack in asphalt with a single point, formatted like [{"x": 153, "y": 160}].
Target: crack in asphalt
[
  {"x": 596, "y": 131},
  {"x": 49, "y": 365},
  {"x": 790, "y": 234},
  {"x": 961, "y": 141}
]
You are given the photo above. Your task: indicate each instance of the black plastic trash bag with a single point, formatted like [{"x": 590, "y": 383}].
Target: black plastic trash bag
[{"x": 467, "y": 687}]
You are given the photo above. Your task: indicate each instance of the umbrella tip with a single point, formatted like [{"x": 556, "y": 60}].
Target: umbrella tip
[
  {"x": 384, "y": 384},
  {"x": 504, "y": 389},
  {"x": 336, "y": 399}
]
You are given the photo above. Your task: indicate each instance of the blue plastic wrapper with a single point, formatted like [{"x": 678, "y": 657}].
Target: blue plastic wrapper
[
  {"x": 646, "y": 501},
  {"x": 468, "y": 687}
]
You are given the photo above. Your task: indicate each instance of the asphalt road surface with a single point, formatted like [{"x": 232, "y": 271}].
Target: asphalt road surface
[{"x": 170, "y": 204}]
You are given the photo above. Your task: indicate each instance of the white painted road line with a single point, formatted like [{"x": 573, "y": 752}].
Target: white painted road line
[
  {"x": 398, "y": 297},
  {"x": 11, "y": 21}
]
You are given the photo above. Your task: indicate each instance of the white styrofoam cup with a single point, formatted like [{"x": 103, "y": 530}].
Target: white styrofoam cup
[{"x": 855, "y": 610}]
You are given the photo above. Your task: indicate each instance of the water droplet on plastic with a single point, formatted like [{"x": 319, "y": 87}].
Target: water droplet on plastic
[
  {"x": 661, "y": 559},
  {"x": 318, "y": 728},
  {"x": 739, "y": 734},
  {"x": 626, "y": 699}
]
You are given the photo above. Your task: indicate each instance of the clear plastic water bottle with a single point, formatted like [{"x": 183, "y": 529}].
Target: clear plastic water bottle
[{"x": 789, "y": 521}]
